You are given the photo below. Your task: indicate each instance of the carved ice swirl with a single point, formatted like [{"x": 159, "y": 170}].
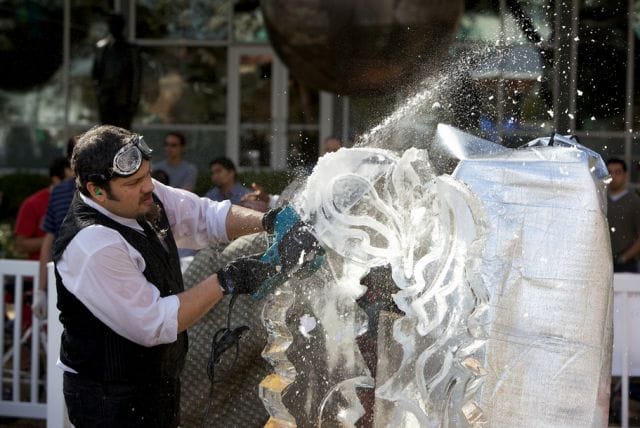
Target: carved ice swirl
[{"x": 369, "y": 208}]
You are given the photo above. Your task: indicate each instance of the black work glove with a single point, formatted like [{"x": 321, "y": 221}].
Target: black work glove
[
  {"x": 298, "y": 248},
  {"x": 269, "y": 220},
  {"x": 245, "y": 275}
]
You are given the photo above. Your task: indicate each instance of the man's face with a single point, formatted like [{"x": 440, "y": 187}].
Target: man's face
[
  {"x": 172, "y": 147},
  {"x": 220, "y": 176},
  {"x": 130, "y": 197},
  {"x": 618, "y": 177},
  {"x": 332, "y": 145},
  {"x": 68, "y": 172}
]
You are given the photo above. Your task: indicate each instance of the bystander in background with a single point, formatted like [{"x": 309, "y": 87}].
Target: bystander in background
[
  {"x": 161, "y": 176},
  {"x": 224, "y": 178},
  {"x": 182, "y": 174},
  {"x": 59, "y": 201},
  {"x": 623, "y": 214},
  {"x": 29, "y": 221}
]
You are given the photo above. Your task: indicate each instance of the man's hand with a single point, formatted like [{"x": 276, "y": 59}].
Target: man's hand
[
  {"x": 245, "y": 275},
  {"x": 258, "y": 194},
  {"x": 269, "y": 220},
  {"x": 257, "y": 200},
  {"x": 39, "y": 305}
]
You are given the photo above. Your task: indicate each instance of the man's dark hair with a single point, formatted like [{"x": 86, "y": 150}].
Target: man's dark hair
[
  {"x": 225, "y": 162},
  {"x": 57, "y": 167},
  {"x": 161, "y": 175},
  {"x": 618, "y": 161},
  {"x": 179, "y": 136},
  {"x": 93, "y": 154}
]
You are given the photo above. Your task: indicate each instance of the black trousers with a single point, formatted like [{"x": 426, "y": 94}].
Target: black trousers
[
  {"x": 630, "y": 266},
  {"x": 93, "y": 404}
]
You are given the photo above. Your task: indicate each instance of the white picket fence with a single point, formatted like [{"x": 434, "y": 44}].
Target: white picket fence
[
  {"x": 626, "y": 334},
  {"x": 23, "y": 347},
  {"x": 24, "y": 381}
]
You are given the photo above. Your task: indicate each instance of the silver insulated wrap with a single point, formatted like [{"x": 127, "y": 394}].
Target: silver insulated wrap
[{"x": 547, "y": 267}]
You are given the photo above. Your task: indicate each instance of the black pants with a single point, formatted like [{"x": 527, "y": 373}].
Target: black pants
[
  {"x": 94, "y": 404},
  {"x": 630, "y": 266}
]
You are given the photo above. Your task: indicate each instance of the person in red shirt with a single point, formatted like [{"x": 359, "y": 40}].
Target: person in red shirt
[{"x": 28, "y": 230}]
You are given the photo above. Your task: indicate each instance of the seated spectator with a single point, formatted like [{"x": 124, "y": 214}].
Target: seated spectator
[
  {"x": 182, "y": 174},
  {"x": 161, "y": 176},
  {"x": 225, "y": 181}
]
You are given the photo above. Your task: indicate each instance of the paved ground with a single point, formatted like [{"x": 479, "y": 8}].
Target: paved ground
[{"x": 634, "y": 413}]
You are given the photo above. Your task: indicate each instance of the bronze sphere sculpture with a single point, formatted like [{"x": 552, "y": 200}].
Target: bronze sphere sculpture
[{"x": 360, "y": 47}]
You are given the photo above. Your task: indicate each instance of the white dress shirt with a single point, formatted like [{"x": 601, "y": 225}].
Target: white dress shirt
[{"x": 104, "y": 271}]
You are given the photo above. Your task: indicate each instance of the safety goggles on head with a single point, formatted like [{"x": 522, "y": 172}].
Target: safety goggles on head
[{"x": 128, "y": 159}]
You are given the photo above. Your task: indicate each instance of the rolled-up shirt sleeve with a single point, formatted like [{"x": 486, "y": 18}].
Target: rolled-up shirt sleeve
[
  {"x": 195, "y": 221},
  {"x": 110, "y": 283}
]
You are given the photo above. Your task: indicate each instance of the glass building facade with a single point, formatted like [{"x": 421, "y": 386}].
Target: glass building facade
[{"x": 211, "y": 73}]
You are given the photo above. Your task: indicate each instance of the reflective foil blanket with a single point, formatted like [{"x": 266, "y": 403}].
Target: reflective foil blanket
[{"x": 546, "y": 264}]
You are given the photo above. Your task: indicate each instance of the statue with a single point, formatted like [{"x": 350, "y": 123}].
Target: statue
[{"x": 117, "y": 76}]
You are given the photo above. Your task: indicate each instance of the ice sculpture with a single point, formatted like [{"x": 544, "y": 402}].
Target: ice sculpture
[{"x": 500, "y": 276}]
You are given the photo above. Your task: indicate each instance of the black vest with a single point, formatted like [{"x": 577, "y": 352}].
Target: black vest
[{"x": 88, "y": 345}]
